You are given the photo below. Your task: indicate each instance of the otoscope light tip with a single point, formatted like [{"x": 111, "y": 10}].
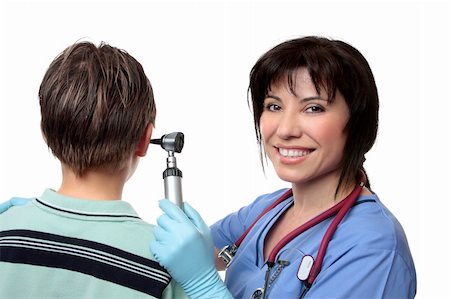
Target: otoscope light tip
[{"x": 155, "y": 141}]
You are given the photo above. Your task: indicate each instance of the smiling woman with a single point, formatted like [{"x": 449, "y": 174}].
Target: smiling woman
[
  {"x": 304, "y": 136},
  {"x": 315, "y": 109},
  {"x": 304, "y": 132}
]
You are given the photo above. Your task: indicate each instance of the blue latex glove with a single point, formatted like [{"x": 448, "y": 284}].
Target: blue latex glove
[
  {"x": 15, "y": 201},
  {"x": 185, "y": 248}
]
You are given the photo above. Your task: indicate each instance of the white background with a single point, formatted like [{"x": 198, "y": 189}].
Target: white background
[{"x": 198, "y": 55}]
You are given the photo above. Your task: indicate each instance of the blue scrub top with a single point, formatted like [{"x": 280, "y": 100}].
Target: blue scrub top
[{"x": 367, "y": 257}]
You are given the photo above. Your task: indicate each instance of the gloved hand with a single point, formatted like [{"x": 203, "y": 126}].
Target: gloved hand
[
  {"x": 185, "y": 248},
  {"x": 15, "y": 201}
]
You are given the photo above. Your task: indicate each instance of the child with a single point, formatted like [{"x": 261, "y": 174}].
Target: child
[{"x": 82, "y": 240}]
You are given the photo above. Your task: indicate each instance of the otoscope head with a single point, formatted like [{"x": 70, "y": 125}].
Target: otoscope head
[{"x": 172, "y": 142}]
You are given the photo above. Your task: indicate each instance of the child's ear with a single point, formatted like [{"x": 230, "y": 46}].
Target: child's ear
[{"x": 141, "y": 149}]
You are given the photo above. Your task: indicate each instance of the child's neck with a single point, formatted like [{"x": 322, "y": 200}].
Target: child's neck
[{"x": 95, "y": 185}]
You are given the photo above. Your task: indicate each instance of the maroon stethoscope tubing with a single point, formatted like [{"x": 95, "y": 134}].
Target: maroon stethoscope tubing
[
  {"x": 282, "y": 198},
  {"x": 347, "y": 205},
  {"x": 340, "y": 210}
]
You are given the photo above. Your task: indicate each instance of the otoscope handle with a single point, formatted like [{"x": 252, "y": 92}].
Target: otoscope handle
[{"x": 172, "y": 182}]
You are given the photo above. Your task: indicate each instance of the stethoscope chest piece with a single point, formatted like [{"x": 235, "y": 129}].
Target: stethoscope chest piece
[
  {"x": 305, "y": 267},
  {"x": 257, "y": 294},
  {"x": 227, "y": 254}
]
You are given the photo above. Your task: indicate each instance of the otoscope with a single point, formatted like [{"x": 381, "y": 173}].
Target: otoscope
[{"x": 172, "y": 143}]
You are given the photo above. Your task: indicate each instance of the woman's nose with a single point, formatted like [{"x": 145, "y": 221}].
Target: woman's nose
[{"x": 289, "y": 125}]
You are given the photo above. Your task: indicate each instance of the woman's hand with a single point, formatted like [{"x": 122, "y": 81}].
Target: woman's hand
[
  {"x": 183, "y": 245},
  {"x": 15, "y": 201}
]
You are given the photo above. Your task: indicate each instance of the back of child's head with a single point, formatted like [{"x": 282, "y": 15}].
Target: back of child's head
[{"x": 96, "y": 103}]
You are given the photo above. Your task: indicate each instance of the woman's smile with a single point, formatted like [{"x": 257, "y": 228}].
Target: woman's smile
[{"x": 293, "y": 153}]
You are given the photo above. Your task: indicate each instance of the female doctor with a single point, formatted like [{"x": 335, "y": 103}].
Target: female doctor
[{"x": 315, "y": 107}]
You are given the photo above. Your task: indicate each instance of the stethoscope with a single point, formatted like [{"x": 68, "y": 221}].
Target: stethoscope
[{"x": 309, "y": 267}]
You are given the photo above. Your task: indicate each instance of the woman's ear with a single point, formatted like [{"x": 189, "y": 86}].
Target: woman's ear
[{"x": 141, "y": 149}]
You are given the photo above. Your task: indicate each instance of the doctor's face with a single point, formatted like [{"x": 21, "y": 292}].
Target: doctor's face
[{"x": 303, "y": 132}]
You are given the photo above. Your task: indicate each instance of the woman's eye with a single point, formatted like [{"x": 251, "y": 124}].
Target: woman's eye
[
  {"x": 314, "y": 109},
  {"x": 272, "y": 107}
]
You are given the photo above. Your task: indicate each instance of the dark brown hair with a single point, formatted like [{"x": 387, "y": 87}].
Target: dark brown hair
[
  {"x": 95, "y": 105},
  {"x": 332, "y": 65}
]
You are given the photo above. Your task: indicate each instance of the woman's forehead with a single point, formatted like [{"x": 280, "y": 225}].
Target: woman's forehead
[{"x": 298, "y": 77}]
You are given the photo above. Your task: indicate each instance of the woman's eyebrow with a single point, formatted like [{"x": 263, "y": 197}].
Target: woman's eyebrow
[
  {"x": 313, "y": 98},
  {"x": 273, "y": 97},
  {"x": 307, "y": 99}
]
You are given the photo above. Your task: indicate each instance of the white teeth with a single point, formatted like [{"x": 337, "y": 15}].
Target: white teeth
[{"x": 292, "y": 153}]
